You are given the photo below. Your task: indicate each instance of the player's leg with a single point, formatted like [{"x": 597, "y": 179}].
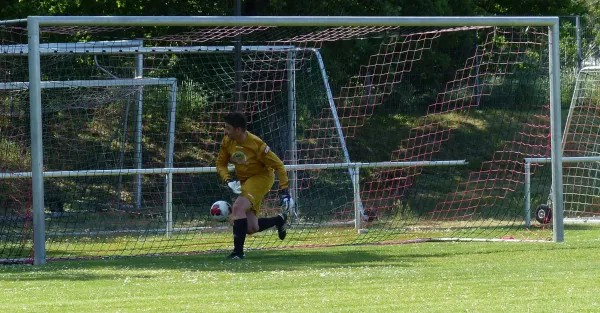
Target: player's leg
[
  {"x": 255, "y": 189},
  {"x": 256, "y": 224},
  {"x": 268, "y": 222},
  {"x": 259, "y": 224},
  {"x": 240, "y": 226},
  {"x": 252, "y": 222}
]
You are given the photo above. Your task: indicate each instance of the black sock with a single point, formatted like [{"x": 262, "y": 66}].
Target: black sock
[
  {"x": 268, "y": 222},
  {"x": 240, "y": 227}
]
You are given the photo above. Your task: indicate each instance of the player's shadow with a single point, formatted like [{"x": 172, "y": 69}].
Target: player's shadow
[
  {"x": 272, "y": 260},
  {"x": 256, "y": 261}
]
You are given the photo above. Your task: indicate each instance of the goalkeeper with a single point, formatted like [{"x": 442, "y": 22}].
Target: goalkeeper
[{"x": 254, "y": 167}]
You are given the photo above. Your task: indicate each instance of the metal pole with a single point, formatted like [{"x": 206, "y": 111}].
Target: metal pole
[
  {"x": 336, "y": 119},
  {"x": 292, "y": 148},
  {"x": 555, "y": 136},
  {"x": 353, "y": 21},
  {"x": 238, "y": 62},
  {"x": 576, "y": 94},
  {"x": 578, "y": 36},
  {"x": 564, "y": 160},
  {"x": 169, "y": 160},
  {"x": 90, "y": 83},
  {"x": 527, "y": 193},
  {"x": 37, "y": 157},
  {"x": 139, "y": 95},
  {"x": 357, "y": 200},
  {"x": 17, "y": 21},
  {"x": 298, "y": 167}
]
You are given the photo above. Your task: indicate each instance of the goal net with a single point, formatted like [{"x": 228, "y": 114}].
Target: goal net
[
  {"x": 391, "y": 133},
  {"x": 580, "y": 179}
]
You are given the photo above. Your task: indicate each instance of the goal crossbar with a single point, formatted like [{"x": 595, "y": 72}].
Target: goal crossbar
[{"x": 292, "y": 21}]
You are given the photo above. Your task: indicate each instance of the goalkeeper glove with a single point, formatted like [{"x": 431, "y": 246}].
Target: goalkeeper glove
[
  {"x": 286, "y": 201},
  {"x": 234, "y": 186}
]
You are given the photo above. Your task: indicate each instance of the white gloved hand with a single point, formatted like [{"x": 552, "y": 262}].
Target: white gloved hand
[
  {"x": 234, "y": 186},
  {"x": 287, "y": 203}
]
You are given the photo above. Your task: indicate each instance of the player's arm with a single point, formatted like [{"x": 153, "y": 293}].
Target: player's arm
[
  {"x": 223, "y": 162},
  {"x": 223, "y": 170},
  {"x": 270, "y": 159}
]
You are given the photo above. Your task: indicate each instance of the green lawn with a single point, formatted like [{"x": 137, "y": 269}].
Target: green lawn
[{"x": 425, "y": 277}]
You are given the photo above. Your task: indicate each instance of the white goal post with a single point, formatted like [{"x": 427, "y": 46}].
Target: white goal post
[{"x": 36, "y": 84}]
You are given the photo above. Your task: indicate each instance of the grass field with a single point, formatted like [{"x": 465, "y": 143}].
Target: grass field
[
  {"x": 424, "y": 277},
  {"x": 117, "y": 244}
]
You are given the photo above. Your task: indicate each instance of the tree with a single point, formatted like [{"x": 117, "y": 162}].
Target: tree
[
  {"x": 13, "y": 9},
  {"x": 533, "y": 7}
]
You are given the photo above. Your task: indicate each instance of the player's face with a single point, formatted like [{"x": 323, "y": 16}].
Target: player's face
[
  {"x": 231, "y": 132},
  {"x": 228, "y": 130}
]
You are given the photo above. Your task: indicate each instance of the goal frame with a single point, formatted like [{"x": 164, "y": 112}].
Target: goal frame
[{"x": 33, "y": 29}]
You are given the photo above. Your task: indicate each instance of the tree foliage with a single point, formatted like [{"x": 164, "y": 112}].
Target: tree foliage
[
  {"x": 20, "y": 8},
  {"x": 356, "y": 52}
]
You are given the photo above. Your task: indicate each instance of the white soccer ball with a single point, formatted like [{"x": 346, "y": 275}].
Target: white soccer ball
[{"x": 220, "y": 210}]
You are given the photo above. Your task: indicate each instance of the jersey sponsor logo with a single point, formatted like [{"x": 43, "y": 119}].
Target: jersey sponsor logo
[
  {"x": 239, "y": 147},
  {"x": 239, "y": 157},
  {"x": 267, "y": 149}
]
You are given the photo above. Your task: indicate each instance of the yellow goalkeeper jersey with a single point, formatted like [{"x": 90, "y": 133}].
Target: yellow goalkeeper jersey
[{"x": 250, "y": 158}]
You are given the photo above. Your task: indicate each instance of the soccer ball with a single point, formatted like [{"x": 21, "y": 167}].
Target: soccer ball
[{"x": 220, "y": 210}]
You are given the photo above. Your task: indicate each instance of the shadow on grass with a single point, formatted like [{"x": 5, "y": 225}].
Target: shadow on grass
[
  {"x": 289, "y": 260},
  {"x": 256, "y": 261}
]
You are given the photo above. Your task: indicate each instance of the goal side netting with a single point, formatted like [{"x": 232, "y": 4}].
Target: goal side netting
[{"x": 580, "y": 140}]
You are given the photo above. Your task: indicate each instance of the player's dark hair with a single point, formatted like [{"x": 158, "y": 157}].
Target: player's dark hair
[{"x": 236, "y": 119}]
